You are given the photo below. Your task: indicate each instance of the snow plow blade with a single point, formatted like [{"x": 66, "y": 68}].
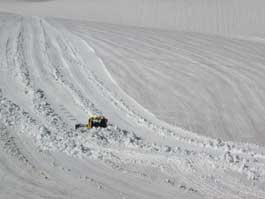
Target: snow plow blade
[{"x": 77, "y": 126}]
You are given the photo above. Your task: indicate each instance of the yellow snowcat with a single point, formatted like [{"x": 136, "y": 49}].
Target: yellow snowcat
[{"x": 94, "y": 121}]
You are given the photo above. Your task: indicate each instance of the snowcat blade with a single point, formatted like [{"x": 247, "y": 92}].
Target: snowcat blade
[{"x": 77, "y": 126}]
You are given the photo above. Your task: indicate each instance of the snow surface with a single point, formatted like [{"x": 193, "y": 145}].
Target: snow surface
[
  {"x": 151, "y": 84},
  {"x": 211, "y": 85},
  {"x": 225, "y": 17}
]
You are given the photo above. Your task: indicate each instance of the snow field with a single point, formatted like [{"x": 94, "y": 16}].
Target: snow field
[
  {"x": 51, "y": 78},
  {"x": 223, "y": 17},
  {"x": 207, "y": 84}
]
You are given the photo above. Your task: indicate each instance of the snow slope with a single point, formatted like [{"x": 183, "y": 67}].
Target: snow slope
[
  {"x": 207, "y": 84},
  {"x": 225, "y": 17},
  {"x": 52, "y": 78}
]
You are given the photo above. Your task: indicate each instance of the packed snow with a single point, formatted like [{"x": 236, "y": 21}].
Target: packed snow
[
  {"x": 185, "y": 109},
  {"x": 207, "y": 84},
  {"x": 225, "y": 17}
]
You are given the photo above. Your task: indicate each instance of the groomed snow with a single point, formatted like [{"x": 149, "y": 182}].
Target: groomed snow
[
  {"x": 225, "y": 17},
  {"x": 211, "y": 85},
  {"x": 186, "y": 110}
]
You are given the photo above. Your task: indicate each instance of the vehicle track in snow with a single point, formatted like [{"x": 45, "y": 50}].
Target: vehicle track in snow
[
  {"x": 225, "y": 76},
  {"x": 54, "y": 67}
]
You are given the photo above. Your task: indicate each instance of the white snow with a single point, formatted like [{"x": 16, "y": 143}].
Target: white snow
[
  {"x": 207, "y": 84},
  {"x": 225, "y": 17},
  {"x": 186, "y": 112}
]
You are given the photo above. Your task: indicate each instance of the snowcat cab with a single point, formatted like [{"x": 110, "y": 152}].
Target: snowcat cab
[
  {"x": 97, "y": 121},
  {"x": 94, "y": 121}
]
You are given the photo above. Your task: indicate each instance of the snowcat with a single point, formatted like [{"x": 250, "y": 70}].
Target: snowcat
[{"x": 94, "y": 121}]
